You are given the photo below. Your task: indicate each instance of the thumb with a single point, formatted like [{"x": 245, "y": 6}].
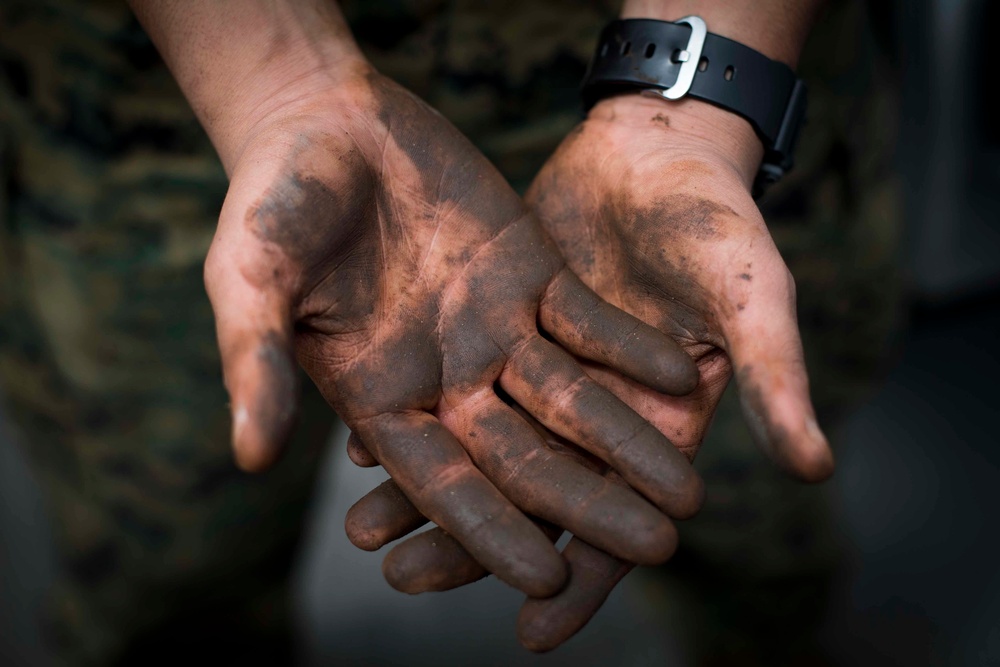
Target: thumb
[
  {"x": 254, "y": 330},
  {"x": 764, "y": 344}
]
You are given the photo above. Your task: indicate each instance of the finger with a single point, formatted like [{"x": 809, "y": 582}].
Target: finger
[
  {"x": 358, "y": 453},
  {"x": 555, "y": 487},
  {"x": 554, "y": 441},
  {"x": 592, "y": 328},
  {"x": 429, "y": 562},
  {"x": 435, "y": 473},
  {"x": 549, "y": 384},
  {"x": 544, "y": 624},
  {"x": 682, "y": 419},
  {"x": 254, "y": 332},
  {"x": 384, "y": 514},
  {"x": 763, "y": 341},
  {"x": 435, "y": 561}
]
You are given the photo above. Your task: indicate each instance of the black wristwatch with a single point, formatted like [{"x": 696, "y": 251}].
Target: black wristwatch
[{"x": 671, "y": 60}]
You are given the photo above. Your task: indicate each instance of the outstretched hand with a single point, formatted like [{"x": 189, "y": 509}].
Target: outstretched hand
[
  {"x": 365, "y": 237},
  {"x": 650, "y": 205}
]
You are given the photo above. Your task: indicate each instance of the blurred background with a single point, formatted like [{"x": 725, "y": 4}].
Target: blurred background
[{"x": 914, "y": 499}]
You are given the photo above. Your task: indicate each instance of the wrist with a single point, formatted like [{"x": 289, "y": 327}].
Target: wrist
[
  {"x": 241, "y": 62},
  {"x": 690, "y": 125},
  {"x": 299, "y": 82}
]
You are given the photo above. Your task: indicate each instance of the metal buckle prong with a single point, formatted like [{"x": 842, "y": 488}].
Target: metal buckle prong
[{"x": 689, "y": 58}]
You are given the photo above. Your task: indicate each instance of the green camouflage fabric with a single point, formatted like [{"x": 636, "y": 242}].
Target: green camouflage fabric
[
  {"x": 107, "y": 354},
  {"x": 109, "y": 193}
]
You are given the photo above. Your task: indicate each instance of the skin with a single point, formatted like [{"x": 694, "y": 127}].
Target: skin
[
  {"x": 331, "y": 243},
  {"x": 689, "y": 254},
  {"x": 385, "y": 273},
  {"x": 650, "y": 204},
  {"x": 366, "y": 239}
]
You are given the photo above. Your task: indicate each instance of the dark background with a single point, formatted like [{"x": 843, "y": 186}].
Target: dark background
[{"x": 917, "y": 489}]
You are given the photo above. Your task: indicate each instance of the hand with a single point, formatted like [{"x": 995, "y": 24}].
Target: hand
[
  {"x": 650, "y": 205},
  {"x": 365, "y": 236}
]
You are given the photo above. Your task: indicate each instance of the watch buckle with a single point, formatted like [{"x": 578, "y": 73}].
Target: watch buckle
[{"x": 689, "y": 57}]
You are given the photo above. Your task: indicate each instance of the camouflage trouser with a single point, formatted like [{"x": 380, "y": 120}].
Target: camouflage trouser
[
  {"x": 107, "y": 354},
  {"x": 109, "y": 194}
]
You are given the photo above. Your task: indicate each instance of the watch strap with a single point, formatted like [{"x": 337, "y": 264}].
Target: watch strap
[{"x": 677, "y": 59}]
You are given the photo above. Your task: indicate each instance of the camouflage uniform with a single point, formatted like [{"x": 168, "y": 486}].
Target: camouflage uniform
[
  {"x": 109, "y": 194},
  {"x": 107, "y": 353}
]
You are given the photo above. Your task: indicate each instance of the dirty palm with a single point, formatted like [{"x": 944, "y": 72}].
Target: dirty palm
[
  {"x": 655, "y": 214},
  {"x": 365, "y": 237}
]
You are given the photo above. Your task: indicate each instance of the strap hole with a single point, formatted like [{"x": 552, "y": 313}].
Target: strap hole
[
  {"x": 730, "y": 73},
  {"x": 626, "y": 47},
  {"x": 703, "y": 64},
  {"x": 650, "y": 50},
  {"x": 604, "y": 49}
]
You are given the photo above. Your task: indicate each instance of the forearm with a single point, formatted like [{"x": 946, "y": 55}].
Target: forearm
[
  {"x": 776, "y": 28},
  {"x": 238, "y": 60}
]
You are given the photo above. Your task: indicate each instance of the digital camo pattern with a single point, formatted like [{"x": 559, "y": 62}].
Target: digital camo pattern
[
  {"x": 108, "y": 357},
  {"x": 109, "y": 198}
]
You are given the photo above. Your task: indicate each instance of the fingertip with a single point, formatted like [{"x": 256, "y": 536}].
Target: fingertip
[
  {"x": 803, "y": 453},
  {"x": 684, "y": 495},
  {"x": 256, "y": 450},
  {"x": 382, "y": 515},
  {"x": 430, "y": 561},
  {"x": 655, "y": 544},
  {"x": 263, "y": 385},
  {"x": 543, "y": 576},
  {"x": 251, "y": 460},
  {"x": 691, "y": 497},
  {"x": 687, "y": 374},
  {"x": 401, "y": 574},
  {"x": 812, "y": 462},
  {"x": 251, "y": 452},
  {"x": 549, "y": 578},
  {"x": 590, "y": 327},
  {"x": 782, "y": 423},
  {"x": 358, "y": 453},
  {"x": 679, "y": 374},
  {"x": 817, "y": 469},
  {"x": 536, "y": 630},
  {"x": 362, "y": 531},
  {"x": 543, "y": 625}
]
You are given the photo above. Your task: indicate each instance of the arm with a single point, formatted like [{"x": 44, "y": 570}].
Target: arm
[
  {"x": 733, "y": 281},
  {"x": 650, "y": 203},
  {"x": 367, "y": 239},
  {"x": 732, "y": 275},
  {"x": 238, "y": 62}
]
